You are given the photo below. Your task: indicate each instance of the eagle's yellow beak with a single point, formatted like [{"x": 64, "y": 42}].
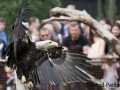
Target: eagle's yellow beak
[{"x": 54, "y": 44}]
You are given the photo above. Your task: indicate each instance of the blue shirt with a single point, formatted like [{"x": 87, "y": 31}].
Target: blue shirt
[{"x": 4, "y": 38}]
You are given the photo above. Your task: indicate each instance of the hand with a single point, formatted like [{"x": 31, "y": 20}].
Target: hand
[
  {"x": 65, "y": 48},
  {"x": 3, "y": 60}
]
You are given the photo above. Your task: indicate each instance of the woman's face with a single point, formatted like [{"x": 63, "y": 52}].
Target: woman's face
[{"x": 116, "y": 31}]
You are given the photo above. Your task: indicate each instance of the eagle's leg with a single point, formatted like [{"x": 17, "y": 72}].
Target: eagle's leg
[
  {"x": 20, "y": 75},
  {"x": 30, "y": 84}
]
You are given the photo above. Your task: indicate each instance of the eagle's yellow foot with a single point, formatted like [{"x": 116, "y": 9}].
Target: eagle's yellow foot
[
  {"x": 23, "y": 79},
  {"x": 30, "y": 84}
]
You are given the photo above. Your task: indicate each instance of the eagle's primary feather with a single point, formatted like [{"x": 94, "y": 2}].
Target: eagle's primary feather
[{"x": 18, "y": 27}]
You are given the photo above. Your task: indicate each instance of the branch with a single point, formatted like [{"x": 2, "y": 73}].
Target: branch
[
  {"x": 84, "y": 17},
  {"x": 54, "y": 19}
]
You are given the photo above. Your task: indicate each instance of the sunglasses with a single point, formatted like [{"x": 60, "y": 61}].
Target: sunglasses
[{"x": 45, "y": 35}]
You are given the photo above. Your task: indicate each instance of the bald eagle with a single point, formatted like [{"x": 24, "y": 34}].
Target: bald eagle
[{"x": 43, "y": 62}]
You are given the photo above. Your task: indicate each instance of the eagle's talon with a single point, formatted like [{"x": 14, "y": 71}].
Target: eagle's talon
[
  {"x": 23, "y": 79},
  {"x": 30, "y": 84}
]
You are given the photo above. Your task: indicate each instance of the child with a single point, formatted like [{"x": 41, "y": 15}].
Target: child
[{"x": 110, "y": 72}]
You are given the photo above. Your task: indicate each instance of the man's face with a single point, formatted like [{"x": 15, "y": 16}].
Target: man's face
[
  {"x": 36, "y": 24},
  {"x": 45, "y": 35},
  {"x": 2, "y": 26},
  {"x": 74, "y": 31},
  {"x": 116, "y": 31}
]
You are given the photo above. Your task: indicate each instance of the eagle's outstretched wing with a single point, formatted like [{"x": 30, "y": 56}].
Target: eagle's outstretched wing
[
  {"x": 61, "y": 67},
  {"x": 23, "y": 45},
  {"x": 18, "y": 27}
]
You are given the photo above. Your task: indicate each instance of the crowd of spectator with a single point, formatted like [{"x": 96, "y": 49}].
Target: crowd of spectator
[{"x": 73, "y": 36}]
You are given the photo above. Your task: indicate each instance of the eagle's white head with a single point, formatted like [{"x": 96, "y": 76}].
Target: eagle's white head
[{"x": 45, "y": 45}]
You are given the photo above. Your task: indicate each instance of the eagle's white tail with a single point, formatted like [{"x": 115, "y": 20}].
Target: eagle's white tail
[{"x": 19, "y": 85}]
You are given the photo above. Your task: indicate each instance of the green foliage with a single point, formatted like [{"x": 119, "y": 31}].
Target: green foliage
[
  {"x": 39, "y": 8},
  {"x": 111, "y": 10},
  {"x": 99, "y": 5}
]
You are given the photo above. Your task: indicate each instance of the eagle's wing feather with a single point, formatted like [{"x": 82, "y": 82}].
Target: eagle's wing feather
[
  {"x": 22, "y": 48},
  {"x": 18, "y": 27},
  {"x": 64, "y": 69}
]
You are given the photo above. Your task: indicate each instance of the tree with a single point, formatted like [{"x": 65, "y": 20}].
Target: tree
[
  {"x": 110, "y": 9},
  {"x": 99, "y": 5},
  {"x": 39, "y": 8}
]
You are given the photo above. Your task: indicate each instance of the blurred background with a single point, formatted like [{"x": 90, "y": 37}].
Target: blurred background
[
  {"x": 40, "y": 8},
  {"x": 70, "y": 35}
]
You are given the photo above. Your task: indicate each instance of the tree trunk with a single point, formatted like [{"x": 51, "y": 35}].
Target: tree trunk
[
  {"x": 99, "y": 6},
  {"x": 111, "y": 10}
]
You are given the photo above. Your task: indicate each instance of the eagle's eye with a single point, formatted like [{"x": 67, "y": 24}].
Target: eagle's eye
[{"x": 50, "y": 42}]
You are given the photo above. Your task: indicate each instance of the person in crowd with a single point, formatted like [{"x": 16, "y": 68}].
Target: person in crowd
[
  {"x": 65, "y": 24},
  {"x": 57, "y": 27},
  {"x": 115, "y": 30},
  {"x": 71, "y": 7},
  {"x": 107, "y": 27},
  {"x": 105, "y": 21},
  {"x": 110, "y": 71},
  {"x": 97, "y": 46},
  {"x": 34, "y": 23},
  {"x": 3, "y": 36},
  {"x": 34, "y": 34},
  {"x": 54, "y": 35},
  {"x": 3, "y": 77},
  {"x": 45, "y": 34},
  {"x": 4, "y": 41},
  {"x": 117, "y": 21},
  {"x": 86, "y": 30},
  {"x": 75, "y": 41},
  {"x": 50, "y": 27}
]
